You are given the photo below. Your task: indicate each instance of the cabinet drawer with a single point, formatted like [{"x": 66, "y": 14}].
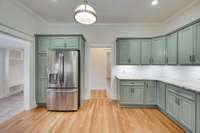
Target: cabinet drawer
[
  {"x": 132, "y": 82},
  {"x": 181, "y": 92}
]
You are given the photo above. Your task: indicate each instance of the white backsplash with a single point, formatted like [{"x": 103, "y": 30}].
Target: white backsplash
[{"x": 190, "y": 74}]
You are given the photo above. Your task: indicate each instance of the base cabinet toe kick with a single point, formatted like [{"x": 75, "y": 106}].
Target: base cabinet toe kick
[{"x": 180, "y": 105}]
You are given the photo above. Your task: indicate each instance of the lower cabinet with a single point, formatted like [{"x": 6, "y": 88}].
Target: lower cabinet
[
  {"x": 181, "y": 106},
  {"x": 131, "y": 95},
  {"x": 161, "y": 95},
  {"x": 150, "y": 93}
]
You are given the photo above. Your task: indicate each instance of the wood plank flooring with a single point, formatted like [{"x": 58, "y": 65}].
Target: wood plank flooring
[{"x": 98, "y": 115}]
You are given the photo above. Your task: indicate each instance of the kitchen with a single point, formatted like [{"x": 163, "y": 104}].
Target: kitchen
[{"x": 155, "y": 65}]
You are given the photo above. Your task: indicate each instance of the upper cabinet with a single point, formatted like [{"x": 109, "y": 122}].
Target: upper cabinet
[
  {"x": 158, "y": 51},
  {"x": 43, "y": 44},
  {"x": 197, "y": 46},
  {"x": 171, "y": 49},
  {"x": 64, "y": 42},
  {"x": 178, "y": 48},
  {"x": 146, "y": 51},
  {"x": 186, "y": 41},
  {"x": 128, "y": 52}
]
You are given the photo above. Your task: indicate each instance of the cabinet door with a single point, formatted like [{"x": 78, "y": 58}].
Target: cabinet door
[
  {"x": 42, "y": 65},
  {"x": 58, "y": 42},
  {"x": 43, "y": 44},
  {"x": 125, "y": 95},
  {"x": 123, "y": 52},
  {"x": 187, "y": 113},
  {"x": 171, "y": 49},
  {"x": 150, "y": 93},
  {"x": 146, "y": 52},
  {"x": 185, "y": 45},
  {"x": 158, "y": 51},
  {"x": 41, "y": 90},
  {"x": 161, "y": 95},
  {"x": 197, "y": 48},
  {"x": 171, "y": 104},
  {"x": 137, "y": 95},
  {"x": 135, "y": 51},
  {"x": 72, "y": 42}
]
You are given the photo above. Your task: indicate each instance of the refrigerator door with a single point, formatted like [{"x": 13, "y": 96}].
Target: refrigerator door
[
  {"x": 62, "y": 99},
  {"x": 55, "y": 69},
  {"x": 71, "y": 69}
]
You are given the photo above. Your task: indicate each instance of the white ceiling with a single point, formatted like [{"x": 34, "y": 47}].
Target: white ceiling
[{"x": 108, "y": 11}]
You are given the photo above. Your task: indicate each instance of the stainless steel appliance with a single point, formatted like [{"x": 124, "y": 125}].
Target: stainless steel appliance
[{"x": 63, "y": 80}]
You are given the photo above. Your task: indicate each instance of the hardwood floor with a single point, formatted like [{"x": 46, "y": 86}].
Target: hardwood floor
[{"x": 98, "y": 115}]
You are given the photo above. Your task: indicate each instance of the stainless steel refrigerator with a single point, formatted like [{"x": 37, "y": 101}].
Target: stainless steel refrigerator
[{"x": 63, "y": 80}]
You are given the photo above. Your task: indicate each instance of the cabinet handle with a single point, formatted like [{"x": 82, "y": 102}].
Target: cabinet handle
[
  {"x": 190, "y": 57},
  {"x": 149, "y": 60},
  {"x": 147, "y": 85},
  {"x": 129, "y": 60},
  {"x": 167, "y": 60}
]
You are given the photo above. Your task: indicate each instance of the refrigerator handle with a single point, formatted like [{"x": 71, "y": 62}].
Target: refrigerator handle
[{"x": 62, "y": 72}]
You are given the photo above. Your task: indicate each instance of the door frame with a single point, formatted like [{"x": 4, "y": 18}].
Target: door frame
[
  {"x": 87, "y": 66},
  {"x": 28, "y": 44}
]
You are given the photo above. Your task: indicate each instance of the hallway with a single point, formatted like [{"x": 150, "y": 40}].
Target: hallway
[
  {"x": 98, "y": 115},
  {"x": 10, "y": 106}
]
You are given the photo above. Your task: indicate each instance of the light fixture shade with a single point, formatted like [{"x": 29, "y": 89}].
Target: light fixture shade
[{"x": 85, "y": 14}]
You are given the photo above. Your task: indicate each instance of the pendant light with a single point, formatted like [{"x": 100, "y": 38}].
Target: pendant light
[{"x": 85, "y": 14}]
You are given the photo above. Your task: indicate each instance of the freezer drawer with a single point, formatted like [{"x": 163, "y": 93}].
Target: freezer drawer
[{"x": 62, "y": 99}]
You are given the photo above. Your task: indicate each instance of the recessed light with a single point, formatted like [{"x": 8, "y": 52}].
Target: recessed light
[{"x": 154, "y": 2}]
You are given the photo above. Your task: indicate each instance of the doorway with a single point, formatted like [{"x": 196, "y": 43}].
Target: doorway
[
  {"x": 100, "y": 69},
  {"x": 14, "y": 76}
]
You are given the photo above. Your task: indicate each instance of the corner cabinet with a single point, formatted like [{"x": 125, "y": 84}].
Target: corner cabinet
[
  {"x": 158, "y": 51},
  {"x": 128, "y": 52},
  {"x": 43, "y": 44},
  {"x": 181, "y": 106}
]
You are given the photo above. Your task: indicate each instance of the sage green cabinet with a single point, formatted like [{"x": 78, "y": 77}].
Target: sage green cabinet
[
  {"x": 187, "y": 113},
  {"x": 172, "y": 105},
  {"x": 197, "y": 47},
  {"x": 158, "y": 51},
  {"x": 181, "y": 106},
  {"x": 150, "y": 93},
  {"x": 131, "y": 95},
  {"x": 198, "y": 114},
  {"x": 146, "y": 52},
  {"x": 161, "y": 95},
  {"x": 64, "y": 42},
  {"x": 186, "y": 41},
  {"x": 128, "y": 52},
  {"x": 41, "y": 78},
  {"x": 172, "y": 49},
  {"x": 43, "y": 44}
]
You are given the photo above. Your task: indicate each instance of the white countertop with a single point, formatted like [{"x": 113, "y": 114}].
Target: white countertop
[{"x": 179, "y": 83}]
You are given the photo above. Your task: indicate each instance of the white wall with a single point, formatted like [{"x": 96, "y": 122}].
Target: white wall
[
  {"x": 183, "y": 17},
  {"x": 17, "y": 16},
  {"x": 98, "y": 62},
  {"x": 99, "y": 34}
]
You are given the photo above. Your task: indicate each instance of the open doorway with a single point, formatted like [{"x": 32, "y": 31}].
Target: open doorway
[
  {"x": 100, "y": 70},
  {"x": 13, "y": 74}
]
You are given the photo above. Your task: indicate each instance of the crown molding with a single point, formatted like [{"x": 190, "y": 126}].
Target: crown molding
[{"x": 29, "y": 10}]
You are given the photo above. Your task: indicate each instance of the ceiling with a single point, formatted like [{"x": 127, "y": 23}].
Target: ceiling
[{"x": 108, "y": 11}]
